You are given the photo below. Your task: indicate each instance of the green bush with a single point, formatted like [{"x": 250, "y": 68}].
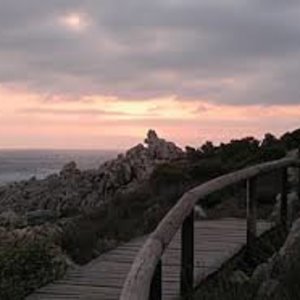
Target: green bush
[
  {"x": 271, "y": 153},
  {"x": 126, "y": 216},
  {"x": 27, "y": 267},
  {"x": 168, "y": 174},
  {"x": 206, "y": 169}
]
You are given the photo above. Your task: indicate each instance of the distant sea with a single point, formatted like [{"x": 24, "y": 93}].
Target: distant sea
[{"x": 16, "y": 165}]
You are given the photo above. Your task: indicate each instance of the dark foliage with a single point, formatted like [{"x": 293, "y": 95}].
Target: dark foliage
[
  {"x": 138, "y": 212},
  {"x": 26, "y": 267},
  {"x": 220, "y": 286},
  {"x": 128, "y": 215}
]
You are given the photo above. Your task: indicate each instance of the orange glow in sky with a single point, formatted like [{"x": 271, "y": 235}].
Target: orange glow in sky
[
  {"x": 74, "y": 21},
  {"x": 29, "y": 121}
]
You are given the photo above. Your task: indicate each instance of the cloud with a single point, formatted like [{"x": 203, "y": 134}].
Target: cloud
[
  {"x": 72, "y": 112},
  {"x": 234, "y": 52}
]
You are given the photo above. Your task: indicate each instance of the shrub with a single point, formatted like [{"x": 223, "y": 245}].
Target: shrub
[
  {"x": 168, "y": 174},
  {"x": 27, "y": 267},
  {"x": 206, "y": 169}
]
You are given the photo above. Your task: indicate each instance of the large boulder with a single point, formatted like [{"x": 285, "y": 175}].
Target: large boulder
[
  {"x": 136, "y": 165},
  {"x": 161, "y": 149}
]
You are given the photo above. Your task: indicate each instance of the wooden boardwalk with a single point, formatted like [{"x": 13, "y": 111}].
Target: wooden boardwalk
[{"x": 215, "y": 242}]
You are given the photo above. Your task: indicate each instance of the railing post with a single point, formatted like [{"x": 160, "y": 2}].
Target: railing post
[
  {"x": 251, "y": 215},
  {"x": 284, "y": 199},
  {"x": 298, "y": 175},
  {"x": 187, "y": 258},
  {"x": 156, "y": 283}
]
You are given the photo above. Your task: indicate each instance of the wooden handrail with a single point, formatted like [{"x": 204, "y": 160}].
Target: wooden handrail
[{"x": 139, "y": 279}]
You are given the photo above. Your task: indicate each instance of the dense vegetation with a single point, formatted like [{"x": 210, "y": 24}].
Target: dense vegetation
[
  {"x": 26, "y": 267},
  {"x": 138, "y": 212}
]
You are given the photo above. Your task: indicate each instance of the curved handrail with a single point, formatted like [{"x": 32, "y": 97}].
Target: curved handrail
[{"x": 138, "y": 280}]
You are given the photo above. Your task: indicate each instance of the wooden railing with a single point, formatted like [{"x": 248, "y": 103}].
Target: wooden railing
[{"x": 144, "y": 281}]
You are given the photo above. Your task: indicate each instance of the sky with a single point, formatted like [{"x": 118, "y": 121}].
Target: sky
[{"x": 97, "y": 74}]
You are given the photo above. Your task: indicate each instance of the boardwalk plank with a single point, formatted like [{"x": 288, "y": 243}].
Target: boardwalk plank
[{"x": 216, "y": 241}]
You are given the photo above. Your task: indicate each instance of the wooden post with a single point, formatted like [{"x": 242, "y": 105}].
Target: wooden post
[
  {"x": 187, "y": 258},
  {"x": 284, "y": 200},
  {"x": 299, "y": 175},
  {"x": 156, "y": 283},
  {"x": 251, "y": 215}
]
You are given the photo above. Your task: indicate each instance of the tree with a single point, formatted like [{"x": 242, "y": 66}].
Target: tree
[
  {"x": 208, "y": 148},
  {"x": 269, "y": 140}
]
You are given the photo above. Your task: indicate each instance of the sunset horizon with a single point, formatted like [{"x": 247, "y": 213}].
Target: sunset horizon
[
  {"x": 89, "y": 76},
  {"x": 149, "y": 149}
]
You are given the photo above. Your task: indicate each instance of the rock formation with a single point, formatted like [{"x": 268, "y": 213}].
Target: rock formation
[
  {"x": 73, "y": 189},
  {"x": 160, "y": 149}
]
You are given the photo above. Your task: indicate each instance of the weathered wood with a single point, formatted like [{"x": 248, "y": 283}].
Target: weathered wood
[
  {"x": 251, "y": 215},
  {"x": 104, "y": 277},
  {"x": 299, "y": 174},
  {"x": 156, "y": 284},
  {"x": 187, "y": 257},
  {"x": 284, "y": 199},
  {"x": 139, "y": 278}
]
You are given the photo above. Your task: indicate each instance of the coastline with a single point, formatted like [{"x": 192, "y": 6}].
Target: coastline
[{"x": 23, "y": 164}]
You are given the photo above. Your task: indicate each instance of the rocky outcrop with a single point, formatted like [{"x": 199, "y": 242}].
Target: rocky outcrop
[
  {"x": 72, "y": 190},
  {"x": 161, "y": 149}
]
